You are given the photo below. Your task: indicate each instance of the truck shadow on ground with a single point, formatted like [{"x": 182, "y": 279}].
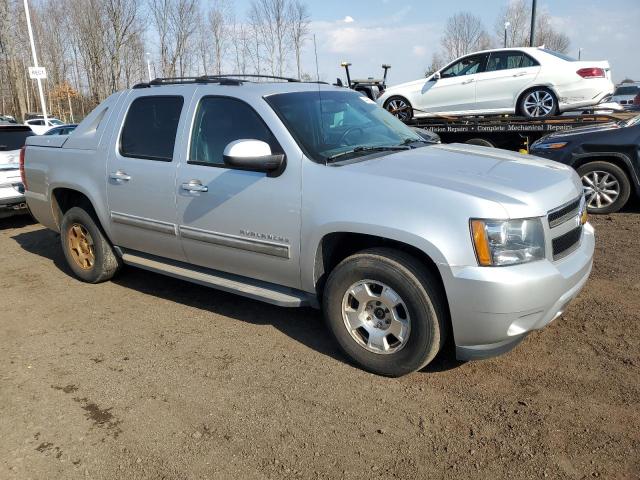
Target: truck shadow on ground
[{"x": 304, "y": 325}]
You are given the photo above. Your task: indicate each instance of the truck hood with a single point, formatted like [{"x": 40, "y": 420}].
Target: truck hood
[{"x": 524, "y": 185}]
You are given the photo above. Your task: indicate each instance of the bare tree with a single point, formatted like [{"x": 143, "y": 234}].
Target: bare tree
[
  {"x": 270, "y": 19},
  {"x": 437, "y": 62},
  {"x": 121, "y": 22},
  {"x": 463, "y": 34},
  {"x": 219, "y": 27},
  {"x": 299, "y": 20},
  {"x": 518, "y": 14}
]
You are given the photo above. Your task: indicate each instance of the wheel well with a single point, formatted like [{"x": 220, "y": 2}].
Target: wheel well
[
  {"x": 616, "y": 160},
  {"x": 335, "y": 247},
  {"x": 66, "y": 198},
  {"x": 537, "y": 87},
  {"x": 397, "y": 96}
]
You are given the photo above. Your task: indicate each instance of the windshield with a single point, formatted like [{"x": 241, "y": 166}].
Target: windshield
[
  {"x": 632, "y": 90},
  {"x": 328, "y": 124},
  {"x": 13, "y": 139}
]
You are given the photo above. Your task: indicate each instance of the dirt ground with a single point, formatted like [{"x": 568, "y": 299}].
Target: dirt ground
[{"x": 149, "y": 377}]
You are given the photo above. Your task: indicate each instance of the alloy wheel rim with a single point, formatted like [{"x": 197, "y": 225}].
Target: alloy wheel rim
[
  {"x": 376, "y": 317},
  {"x": 601, "y": 189},
  {"x": 398, "y": 108},
  {"x": 81, "y": 246},
  {"x": 539, "y": 103}
]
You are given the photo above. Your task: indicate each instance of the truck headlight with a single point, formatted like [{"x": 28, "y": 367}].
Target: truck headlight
[{"x": 507, "y": 242}]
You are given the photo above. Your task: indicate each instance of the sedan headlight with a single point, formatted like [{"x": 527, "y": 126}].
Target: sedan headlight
[{"x": 508, "y": 242}]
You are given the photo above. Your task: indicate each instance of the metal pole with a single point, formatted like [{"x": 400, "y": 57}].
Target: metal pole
[
  {"x": 533, "y": 23},
  {"x": 35, "y": 60},
  {"x": 506, "y": 25},
  {"x": 579, "y": 53},
  {"x": 148, "y": 65}
]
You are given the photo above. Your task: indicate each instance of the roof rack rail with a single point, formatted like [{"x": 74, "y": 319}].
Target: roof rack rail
[
  {"x": 251, "y": 75},
  {"x": 230, "y": 79}
]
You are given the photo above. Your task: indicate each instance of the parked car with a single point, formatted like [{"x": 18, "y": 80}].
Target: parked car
[
  {"x": 40, "y": 126},
  {"x": 307, "y": 194},
  {"x": 625, "y": 93},
  {"x": 635, "y": 107},
  {"x": 62, "y": 129},
  {"x": 606, "y": 157},
  {"x": 532, "y": 82},
  {"x": 12, "y": 139},
  {"x": 7, "y": 119}
]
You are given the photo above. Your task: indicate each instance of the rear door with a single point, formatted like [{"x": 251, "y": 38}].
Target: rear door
[
  {"x": 507, "y": 74},
  {"x": 141, "y": 171},
  {"x": 455, "y": 91}
]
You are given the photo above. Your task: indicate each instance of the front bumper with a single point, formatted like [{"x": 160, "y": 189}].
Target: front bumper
[{"x": 494, "y": 308}]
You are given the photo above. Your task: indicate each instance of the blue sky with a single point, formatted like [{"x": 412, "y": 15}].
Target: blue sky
[{"x": 405, "y": 33}]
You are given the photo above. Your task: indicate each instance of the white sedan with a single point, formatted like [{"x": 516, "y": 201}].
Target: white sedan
[
  {"x": 532, "y": 82},
  {"x": 40, "y": 127}
]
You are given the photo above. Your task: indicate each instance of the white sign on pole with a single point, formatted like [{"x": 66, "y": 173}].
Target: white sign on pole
[{"x": 37, "y": 73}]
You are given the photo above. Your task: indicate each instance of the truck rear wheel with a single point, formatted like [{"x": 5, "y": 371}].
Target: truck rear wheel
[
  {"x": 606, "y": 186},
  {"x": 386, "y": 311},
  {"x": 86, "y": 249}
]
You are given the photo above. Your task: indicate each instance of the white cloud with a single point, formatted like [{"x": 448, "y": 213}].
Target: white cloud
[
  {"x": 348, "y": 19},
  {"x": 419, "y": 50}
]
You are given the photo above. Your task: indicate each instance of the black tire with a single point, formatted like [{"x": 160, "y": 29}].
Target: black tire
[
  {"x": 105, "y": 264},
  {"x": 406, "y": 114},
  {"x": 420, "y": 292},
  {"x": 624, "y": 185},
  {"x": 480, "y": 142},
  {"x": 543, "y": 92}
]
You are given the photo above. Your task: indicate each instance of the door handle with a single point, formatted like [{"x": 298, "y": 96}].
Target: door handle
[
  {"x": 120, "y": 176},
  {"x": 520, "y": 74},
  {"x": 195, "y": 186},
  {"x": 467, "y": 81}
]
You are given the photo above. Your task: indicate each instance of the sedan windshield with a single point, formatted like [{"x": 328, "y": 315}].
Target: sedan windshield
[{"x": 331, "y": 125}]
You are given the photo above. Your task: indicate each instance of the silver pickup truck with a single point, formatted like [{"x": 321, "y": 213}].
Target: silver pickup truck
[{"x": 305, "y": 194}]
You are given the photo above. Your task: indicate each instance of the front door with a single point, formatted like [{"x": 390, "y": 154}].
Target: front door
[
  {"x": 141, "y": 173},
  {"x": 455, "y": 90},
  {"x": 238, "y": 221}
]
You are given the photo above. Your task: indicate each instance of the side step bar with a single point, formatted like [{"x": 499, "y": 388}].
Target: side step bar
[{"x": 255, "y": 289}]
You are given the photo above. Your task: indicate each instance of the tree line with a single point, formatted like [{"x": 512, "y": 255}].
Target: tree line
[
  {"x": 92, "y": 48},
  {"x": 465, "y": 33}
]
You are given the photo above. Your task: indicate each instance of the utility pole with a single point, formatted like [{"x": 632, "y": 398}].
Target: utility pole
[
  {"x": 579, "y": 53},
  {"x": 533, "y": 23},
  {"x": 506, "y": 25},
  {"x": 148, "y": 55},
  {"x": 35, "y": 60}
]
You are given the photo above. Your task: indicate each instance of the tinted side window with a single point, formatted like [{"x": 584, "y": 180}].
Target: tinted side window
[
  {"x": 150, "y": 128},
  {"x": 220, "y": 121},
  {"x": 508, "y": 60},
  {"x": 466, "y": 66}
]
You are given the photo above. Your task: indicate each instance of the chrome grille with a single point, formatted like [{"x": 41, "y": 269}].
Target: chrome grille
[
  {"x": 564, "y": 238},
  {"x": 560, "y": 215}
]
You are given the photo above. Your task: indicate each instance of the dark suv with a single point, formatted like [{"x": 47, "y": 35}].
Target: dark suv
[{"x": 607, "y": 158}]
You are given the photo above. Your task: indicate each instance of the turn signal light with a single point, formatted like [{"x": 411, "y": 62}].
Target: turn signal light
[{"x": 481, "y": 243}]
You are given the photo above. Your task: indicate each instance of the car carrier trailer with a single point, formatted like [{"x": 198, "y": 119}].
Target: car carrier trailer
[{"x": 508, "y": 131}]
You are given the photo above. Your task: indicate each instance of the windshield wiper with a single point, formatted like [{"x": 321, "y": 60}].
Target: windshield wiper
[{"x": 388, "y": 148}]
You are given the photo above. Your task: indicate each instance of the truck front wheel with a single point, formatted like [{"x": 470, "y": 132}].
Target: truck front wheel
[
  {"x": 386, "y": 311},
  {"x": 86, "y": 249}
]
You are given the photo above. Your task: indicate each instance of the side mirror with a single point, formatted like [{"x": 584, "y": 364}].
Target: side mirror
[
  {"x": 436, "y": 76},
  {"x": 254, "y": 155}
]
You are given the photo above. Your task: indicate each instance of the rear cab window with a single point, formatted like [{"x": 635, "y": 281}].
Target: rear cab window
[{"x": 150, "y": 127}]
